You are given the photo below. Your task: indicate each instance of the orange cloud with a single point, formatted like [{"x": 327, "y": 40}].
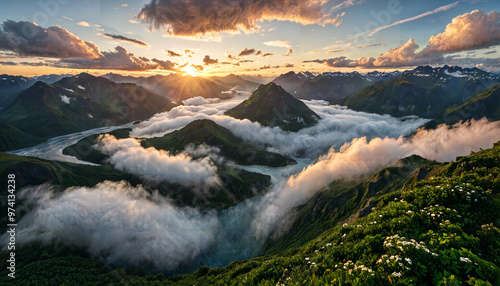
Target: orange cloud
[
  {"x": 194, "y": 18},
  {"x": 470, "y": 31},
  {"x": 474, "y": 30}
]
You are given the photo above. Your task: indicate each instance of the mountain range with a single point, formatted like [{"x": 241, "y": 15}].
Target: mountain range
[
  {"x": 77, "y": 103},
  {"x": 417, "y": 222},
  {"x": 417, "y": 210},
  {"x": 207, "y": 132},
  {"x": 181, "y": 87},
  {"x": 271, "y": 105},
  {"x": 424, "y": 91},
  {"x": 10, "y": 85},
  {"x": 43, "y": 110}
]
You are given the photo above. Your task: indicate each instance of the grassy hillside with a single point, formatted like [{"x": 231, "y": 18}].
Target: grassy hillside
[
  {"x": 237, "y": 185},
  {"x": 271, "y": 105},
  {"x": 485, "y": 104},
  {"x": 340, "y": 200},
  {"x": 332, "y": 87},
  {"x": 12, "y": 138},
  {"x": 84, "y": 151},
  {"x": 440, "y": 228},
  {"x": 75, "y": 104},
  {"x": 197, "y": 132},
  {"x": 30, "y": 171},
  {"x": 212, "y": 134},
  {"x": 128, "y": 100},
  {"x": 41, "y": 111},
  {"x": 424, "y": 91}
]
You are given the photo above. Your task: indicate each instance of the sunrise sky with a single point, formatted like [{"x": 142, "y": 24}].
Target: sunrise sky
[{"x": 245, "y": 37}]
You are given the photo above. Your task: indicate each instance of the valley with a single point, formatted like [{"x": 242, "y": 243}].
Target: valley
[
  {"x": 250, "y": 184},
  {"x": 249, "y": 142}
]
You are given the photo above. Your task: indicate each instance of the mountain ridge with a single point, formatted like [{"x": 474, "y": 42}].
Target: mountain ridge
[{"x": 271, "y": 105}]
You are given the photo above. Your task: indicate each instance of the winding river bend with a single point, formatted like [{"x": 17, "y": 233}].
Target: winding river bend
[{"x": 52, "y": 149}]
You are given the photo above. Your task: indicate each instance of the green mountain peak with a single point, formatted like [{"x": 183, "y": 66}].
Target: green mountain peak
[{"x": 271, "y": 105}]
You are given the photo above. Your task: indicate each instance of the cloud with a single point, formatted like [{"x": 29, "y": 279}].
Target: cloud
[
  {"x": 278, "y": 44},
  {"x": 345, "y": 4},
  {"x": 447, "y": 142},
  {"x": 260, "y": 54},
  {"x": 368, "y": 46},
  {"x": 195, "y": 101},
  {"x": 337, "y": 126},
  {"x": 288, "y": 53},
  {"x": 129, "y": 226},
  {"x": 269, "y": 67},
  {"x": 208, "y": 61},
  {"x": 402, "y": 56},
  {"x": 83, "y": 24},
  {"x": 437, "y": 10},
  {"x": 189, "y": 52},
  {"x": 166, "y": 65},
  {"x": 158, "y": 166},
  {"x": 336, "y": 51},
  {"x": 289, "y": 65},
  {"x": 246, "y": 52},
  {"x": 361, "y": 158},
  {"x": 28, "y": 39},
  {"x": 194, "y": 18},
  {"x": 313, "y": 52},
  {"x": 470, "y": 31},
  {"x": 197, "y": 67},
  {"x": 120, "y": 224},
  {"x": 490, "y": 52},
  {"x": 173, "y": 54},
  {"x": 127, "y": 40},
  {"x": 335, "y": 21},
  {"x": 120, "y": 59},
  {"x": 34, "y": 64},
  {"x": 8, "y": 63},
  {"x": 67, "y": 18}
]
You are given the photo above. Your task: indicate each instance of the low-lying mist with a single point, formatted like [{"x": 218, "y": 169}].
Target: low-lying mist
[
  {"x": 361, "y": 158},
  {"x": 337, "y": 126},
  {"x": 127, "y": 226},
  {"x": 158, "y": 165}
]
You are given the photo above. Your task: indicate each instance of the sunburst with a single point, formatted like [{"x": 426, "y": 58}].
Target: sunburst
[{"x": 190, "y": 70}]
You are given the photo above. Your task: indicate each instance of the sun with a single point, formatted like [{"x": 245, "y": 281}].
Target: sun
[{"x": 190, "y": 70}]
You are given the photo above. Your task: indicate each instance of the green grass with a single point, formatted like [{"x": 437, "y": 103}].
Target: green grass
[
  {"x": 12, "y": 138},
  {"x": 439, "y": 227},
  {"x": 209, "y": 133},
  {"x": 425, "y": 96}
]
